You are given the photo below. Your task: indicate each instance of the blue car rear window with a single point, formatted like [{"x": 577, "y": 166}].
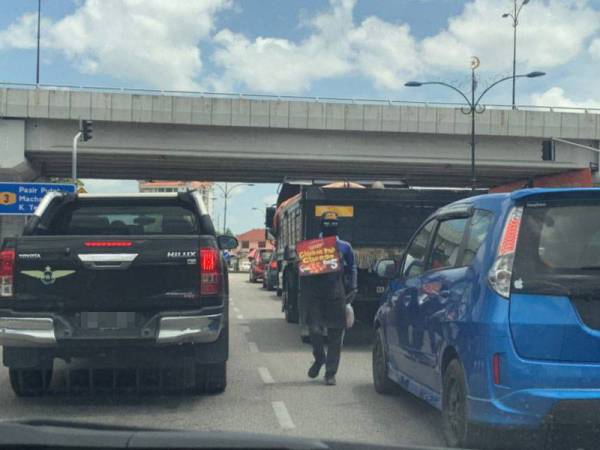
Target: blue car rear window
[{"x": 558, "y": 241}]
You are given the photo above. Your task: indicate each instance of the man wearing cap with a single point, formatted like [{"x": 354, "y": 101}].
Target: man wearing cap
[{"x": 325, "y": 297}]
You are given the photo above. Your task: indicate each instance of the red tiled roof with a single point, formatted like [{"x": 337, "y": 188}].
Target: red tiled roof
[{"x": 256, "y": 234}]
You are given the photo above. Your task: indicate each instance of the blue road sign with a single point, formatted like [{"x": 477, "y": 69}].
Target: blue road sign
[{"x": 23, "y": 198}]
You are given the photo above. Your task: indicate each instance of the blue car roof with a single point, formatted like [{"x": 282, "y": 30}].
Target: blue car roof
[
  {"x": 494, "y": 200},
  {"x": 522, "y": 193}
]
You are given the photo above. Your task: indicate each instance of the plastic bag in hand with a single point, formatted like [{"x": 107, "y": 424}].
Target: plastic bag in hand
[{"x": 349, "y": 316}]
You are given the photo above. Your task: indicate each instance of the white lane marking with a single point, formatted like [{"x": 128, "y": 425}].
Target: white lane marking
[
  {"x": 253, "y": 347},
  {"x": 240, "y": 317},
  {"x": 265, "y": 375},
  {"x": 283, "y": 416},
  {"x": 236, "y": 309}
]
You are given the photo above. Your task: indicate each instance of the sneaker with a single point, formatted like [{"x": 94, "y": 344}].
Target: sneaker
[
  {"x": 314, "y": 370},
  {"x": 330, "y": 380}
]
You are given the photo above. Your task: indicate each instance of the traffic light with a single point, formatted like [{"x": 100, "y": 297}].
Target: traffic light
[
  {"x": 548, "y": 150},
  {"x": 86, "y": 130}
]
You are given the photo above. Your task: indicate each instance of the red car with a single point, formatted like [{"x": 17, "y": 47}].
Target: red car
[{"x": 259, "y": 258}]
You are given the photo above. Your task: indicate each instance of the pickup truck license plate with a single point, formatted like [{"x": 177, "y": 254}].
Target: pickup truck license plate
[{"x": 107, "y": 320}]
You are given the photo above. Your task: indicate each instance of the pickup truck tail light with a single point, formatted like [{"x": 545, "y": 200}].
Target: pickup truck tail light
[
  {"x": 7, "y": 269},
  {"x": 500, "y": 274},
  {"x": 105, "y": 244},
  {"x": 210, "y": 271}
]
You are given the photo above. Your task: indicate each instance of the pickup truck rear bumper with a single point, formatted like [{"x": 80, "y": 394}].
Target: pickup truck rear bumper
[
  {"x": 41, "y": 331},
  {"x": 27, "y": 331}
]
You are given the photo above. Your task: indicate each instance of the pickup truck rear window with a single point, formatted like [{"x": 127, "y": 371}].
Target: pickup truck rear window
[{"x": 145, "y": 219}]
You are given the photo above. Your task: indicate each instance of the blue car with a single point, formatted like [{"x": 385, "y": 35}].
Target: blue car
[{"x": 493, "y": 314}]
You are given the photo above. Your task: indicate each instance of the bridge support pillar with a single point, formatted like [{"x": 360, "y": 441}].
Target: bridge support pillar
[{"x": 14, "y": 167}]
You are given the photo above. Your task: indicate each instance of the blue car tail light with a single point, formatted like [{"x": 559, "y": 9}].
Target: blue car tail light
[{"x": 500, "y": 274}]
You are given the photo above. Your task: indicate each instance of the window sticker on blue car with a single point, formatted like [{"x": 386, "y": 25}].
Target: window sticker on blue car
[
  {"x": 536, "y": 204},
  {"x": 518, "y": 284}
]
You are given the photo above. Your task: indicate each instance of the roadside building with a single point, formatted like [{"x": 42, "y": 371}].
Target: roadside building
[
  {"x": 250, "y": 240},
  {"x": 204, "y": 187}
]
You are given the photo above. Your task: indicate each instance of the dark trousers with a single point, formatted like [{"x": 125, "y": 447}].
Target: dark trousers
[{"x": 335, "y": 338}]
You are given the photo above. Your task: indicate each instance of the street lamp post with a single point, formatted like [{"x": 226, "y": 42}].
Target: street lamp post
[
  {"x": 37, "y": 66},
  {"x": 473, "y": 104},
  {"x": 514, "y": 15},
  {"x": 226, "y": 196}
]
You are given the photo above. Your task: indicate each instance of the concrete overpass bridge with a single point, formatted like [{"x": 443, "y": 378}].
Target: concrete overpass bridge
[{"x": 178, "y": 135}]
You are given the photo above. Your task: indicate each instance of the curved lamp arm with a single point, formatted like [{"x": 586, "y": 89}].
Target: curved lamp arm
[
  {"x": 494, "y": 84},
  {"x": 441, "y": 83}
]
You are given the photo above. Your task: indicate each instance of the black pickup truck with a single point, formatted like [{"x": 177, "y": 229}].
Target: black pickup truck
[{"x": 122, "y": 280}]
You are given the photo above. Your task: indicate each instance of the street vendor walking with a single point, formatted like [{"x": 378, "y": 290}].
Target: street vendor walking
[{"x": 325, "y": 297}]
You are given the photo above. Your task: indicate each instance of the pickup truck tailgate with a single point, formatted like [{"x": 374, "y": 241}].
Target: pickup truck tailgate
[{"x": 116, "y": 274}]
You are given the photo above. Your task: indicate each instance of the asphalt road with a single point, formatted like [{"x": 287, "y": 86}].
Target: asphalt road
[{"x": 268, "y": 390}]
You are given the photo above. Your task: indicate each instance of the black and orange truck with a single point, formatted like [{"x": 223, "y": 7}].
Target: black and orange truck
[{"x": 377, "y": 218}]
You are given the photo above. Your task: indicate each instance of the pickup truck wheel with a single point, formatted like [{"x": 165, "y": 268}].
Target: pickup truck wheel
[
  {"x": 381, "y": 381},
  {"x": 211, "y": 378},
  {"x": 30, "y": 382}
]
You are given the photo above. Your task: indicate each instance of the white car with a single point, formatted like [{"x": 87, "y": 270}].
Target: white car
[{"x": 244, "y": 266}]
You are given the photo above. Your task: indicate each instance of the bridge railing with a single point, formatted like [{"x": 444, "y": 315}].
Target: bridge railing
[{"x": 363, "y": 101}]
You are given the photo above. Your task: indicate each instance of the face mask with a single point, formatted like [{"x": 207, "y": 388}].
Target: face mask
[{"x": 329, "y": 231}]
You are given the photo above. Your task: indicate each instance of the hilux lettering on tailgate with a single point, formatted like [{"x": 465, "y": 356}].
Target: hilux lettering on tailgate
[
  {"x": 181, "y": 254},
  {"x": 47, "y": 276}
]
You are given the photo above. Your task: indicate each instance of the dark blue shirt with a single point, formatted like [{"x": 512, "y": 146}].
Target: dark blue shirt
[{"x": 350, "y": 271}]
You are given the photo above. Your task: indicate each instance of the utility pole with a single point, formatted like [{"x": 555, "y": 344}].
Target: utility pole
[
  {"x": 37, "y": 66},
  {"x": 514, "y": 15}
]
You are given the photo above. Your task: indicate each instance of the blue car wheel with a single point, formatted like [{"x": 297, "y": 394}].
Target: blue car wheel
[
  {"x": 458, "y": 430},
  {"x": 381, "y": 381}
]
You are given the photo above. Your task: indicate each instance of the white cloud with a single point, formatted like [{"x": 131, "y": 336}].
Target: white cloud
[
  {"x": 154, "y": 41},
  {"x": 22, "y": 33},
  {"x": 384, "y": 52},
  {"x": 556, "y": 97},
  {"x": 280, "y": 65},
  {"x": 550, "y": 34},
  {"x": 594, "y": 49},
  {"x": 379, "y": 50}
]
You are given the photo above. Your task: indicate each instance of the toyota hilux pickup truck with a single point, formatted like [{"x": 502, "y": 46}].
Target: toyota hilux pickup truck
[{"x": 124, "y": 281}]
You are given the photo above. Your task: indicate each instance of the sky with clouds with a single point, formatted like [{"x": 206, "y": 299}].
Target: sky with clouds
[{"x": 327, "y": 48}]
